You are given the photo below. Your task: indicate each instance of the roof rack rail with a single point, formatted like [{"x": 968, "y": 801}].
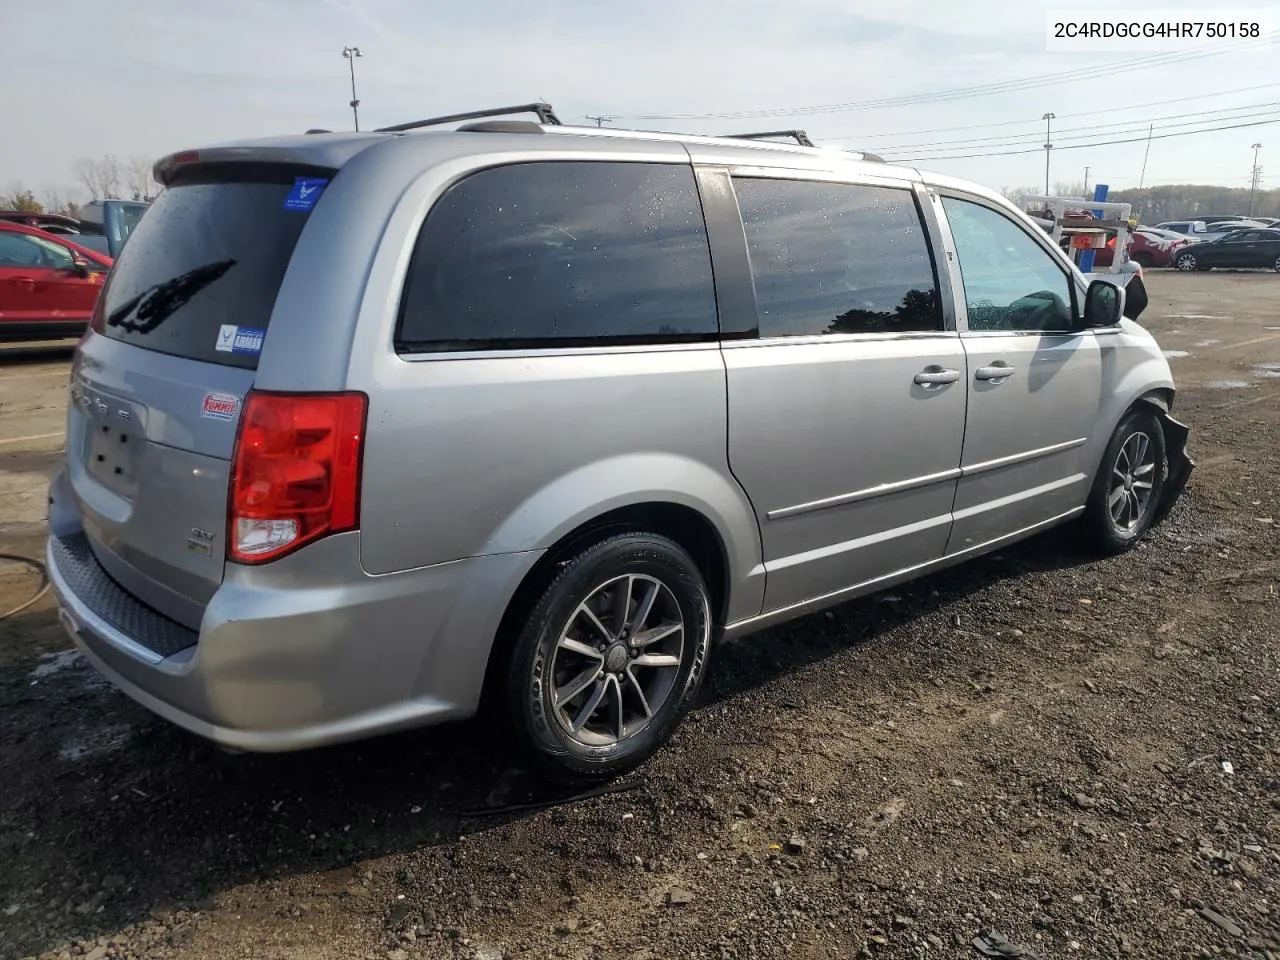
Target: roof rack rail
[
  {"x": 543, "y": 111},
  {"x": 799, "y": 136}
]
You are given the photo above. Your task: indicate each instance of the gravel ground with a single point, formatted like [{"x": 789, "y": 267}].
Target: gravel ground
[{"x": 1079, "y": 755}]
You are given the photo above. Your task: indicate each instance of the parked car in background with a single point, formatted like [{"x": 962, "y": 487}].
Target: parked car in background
[
  {"x": 1199, "y": 230},
  {"x": 1211, "y": 220},
  {"x": 1241, "y": 249},
  {"x": 1146, "y": 249},
  {"x": 1166, "y": 234},
  {"x": 48, "y": 222},
  {"x": 48, "y": 284},
  {"x": 105, "y": 225},
  {"x": 367, "y": 424},
  {"x": 1190, "y": 228}
]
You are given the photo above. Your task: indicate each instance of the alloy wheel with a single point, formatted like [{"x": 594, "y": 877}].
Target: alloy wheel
[
  {"x": 617, "y": 660},
  {"x": 1132, "y": 476},
  {"x": 1186, "y": 262}
]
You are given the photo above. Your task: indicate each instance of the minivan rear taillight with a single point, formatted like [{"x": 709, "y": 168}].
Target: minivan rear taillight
[{"x": 295, "y": 473}]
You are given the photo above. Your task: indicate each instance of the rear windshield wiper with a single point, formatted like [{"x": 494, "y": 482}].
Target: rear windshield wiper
[{"x": 156, "y": 304}]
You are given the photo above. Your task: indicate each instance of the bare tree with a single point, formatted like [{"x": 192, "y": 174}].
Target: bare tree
[
  {"x": 104, "y": 177},
  {"x": 112, "y": 176},
  {"x": 54, "y": 200},
  {"x": 86, "y": 171},
  {"x": 138, "y": 178}
]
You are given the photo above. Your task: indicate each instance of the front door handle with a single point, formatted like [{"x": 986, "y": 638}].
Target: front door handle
[
  {"x": 996, "y": 371},
  {"x": 936, "y": 376}
]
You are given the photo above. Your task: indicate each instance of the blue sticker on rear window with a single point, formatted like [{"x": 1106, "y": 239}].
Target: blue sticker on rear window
[
  {"x": 234, "y": 339},
  {"x": 306, "y": 191}
]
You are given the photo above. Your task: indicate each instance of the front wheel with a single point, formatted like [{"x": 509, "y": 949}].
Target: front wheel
[
  {"x": 1276, "y": 266},
  {"x": 610, "y": 658},
  {"x": 1186, "y": 262},
  {"x": 1130, "y": 482}
]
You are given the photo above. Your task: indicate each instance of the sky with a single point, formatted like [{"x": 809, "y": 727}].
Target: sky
[{"x": 144, "y": 78}]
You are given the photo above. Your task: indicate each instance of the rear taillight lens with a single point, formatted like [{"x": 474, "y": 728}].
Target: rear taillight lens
[
  {"x": 97, "y": 319},
  {"x": 295, "y": 474}
]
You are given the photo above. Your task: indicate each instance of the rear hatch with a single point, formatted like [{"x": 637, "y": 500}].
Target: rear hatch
[{"x": 158, "y": 386}]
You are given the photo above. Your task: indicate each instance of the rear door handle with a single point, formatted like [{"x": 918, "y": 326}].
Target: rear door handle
[
  {"x": 997, "y": 371},
  {"x": 936, "y": 376},
  {"x": 27, "y": 283}
]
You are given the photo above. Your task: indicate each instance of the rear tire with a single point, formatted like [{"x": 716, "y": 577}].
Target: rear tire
[
  {"x": 1130, "y": 482},
  {"x": 593, "y": 692},
  {"x": 1142, "y": 259}
]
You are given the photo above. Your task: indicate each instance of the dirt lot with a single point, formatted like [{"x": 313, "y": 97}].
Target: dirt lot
[{"x": 1083, "y": 755}]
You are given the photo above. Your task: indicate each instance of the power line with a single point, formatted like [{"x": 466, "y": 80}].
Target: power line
[
  {"x": 1026, "y": 83},
  {"x": 1018, "y": 138},
  {"x": 1091, "y": 134},
  {"x": 1013, "y": 123},
  {"x": 1086, "y": 146}
]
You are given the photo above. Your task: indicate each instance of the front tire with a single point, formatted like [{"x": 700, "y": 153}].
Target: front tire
[
  {"x": 1130, "y": 483},
  {"x": 610, "y": 658},
  {"x": 1186, "y": 262},
  {"x": 1276, "y": 266}
]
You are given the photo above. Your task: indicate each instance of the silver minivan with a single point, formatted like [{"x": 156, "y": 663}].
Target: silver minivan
[{"x": 368, "y": 425}]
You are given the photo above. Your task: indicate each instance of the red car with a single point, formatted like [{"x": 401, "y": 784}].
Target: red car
[
  {"x": 48, "y": 284},
  {"x": 1145, "y": 249}
]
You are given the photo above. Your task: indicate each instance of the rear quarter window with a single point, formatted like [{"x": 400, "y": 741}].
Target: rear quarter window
[
  {"x": 561, "y": 253},
  {"x": 207, "y": 261}
]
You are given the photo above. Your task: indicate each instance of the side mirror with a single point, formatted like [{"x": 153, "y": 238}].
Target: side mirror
[
  {"x": 81, "y": 267},
  {"x": 1103, "y": 304}
]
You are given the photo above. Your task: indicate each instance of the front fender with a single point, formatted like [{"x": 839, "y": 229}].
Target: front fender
[{"x": 576, "y": 498}]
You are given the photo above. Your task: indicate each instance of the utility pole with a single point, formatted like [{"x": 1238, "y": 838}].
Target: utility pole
[
  {"x": 1143, "y": 179},
  {"x": 1256, "y": 179},
  {"x": 1048, "y": 119},
  {"x": 600, "y": 120},
  {"x": 351, "y": 53},
  {"x": 1086, "y": 180}
]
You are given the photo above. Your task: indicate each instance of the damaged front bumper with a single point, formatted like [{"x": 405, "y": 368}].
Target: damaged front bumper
[{"x": 1180, "y": 465}]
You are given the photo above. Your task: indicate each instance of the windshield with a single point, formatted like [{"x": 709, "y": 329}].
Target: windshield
[{"x": 200, "y": 274}]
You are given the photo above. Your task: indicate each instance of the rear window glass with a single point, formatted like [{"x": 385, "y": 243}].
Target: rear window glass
[
  {"x": 200, "y": 273},
  {"x": 561, "y": 253}
]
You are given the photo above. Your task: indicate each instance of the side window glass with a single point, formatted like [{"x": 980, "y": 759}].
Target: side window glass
[
  {"x": 561, "y": 253},
  {"x": 830, "y": 258},
  {"x": 1010, "y": 281},
  {"x": 19, "y": 250},
  {"x": 55, "y": 255}
]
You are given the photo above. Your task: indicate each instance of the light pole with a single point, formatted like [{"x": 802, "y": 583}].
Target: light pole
[
  {"x": 1048, "y": 119},
  {"x": 1086, "y": 182},
  {"x": 351, "y": 53},
  {"x": 1257, "y": 176}
]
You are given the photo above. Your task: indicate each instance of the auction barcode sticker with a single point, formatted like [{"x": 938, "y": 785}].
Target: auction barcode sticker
[{"x": 1086, "y": 30}]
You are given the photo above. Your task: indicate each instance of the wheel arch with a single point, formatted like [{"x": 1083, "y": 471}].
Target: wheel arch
[{"x": 696, "y": 533}]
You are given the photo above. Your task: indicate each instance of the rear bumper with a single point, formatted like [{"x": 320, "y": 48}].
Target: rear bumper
[{"x": 303, "y": 652}]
